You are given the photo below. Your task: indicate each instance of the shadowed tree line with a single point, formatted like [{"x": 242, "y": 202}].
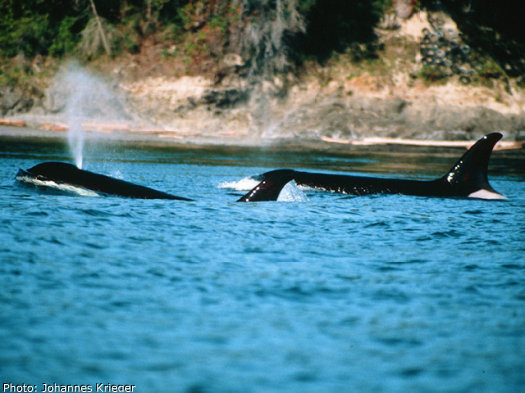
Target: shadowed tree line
[
  {"x": 271, "y": 34},
  {"x": 494, "y": 28},
  {"x": 58, "y": 27}
]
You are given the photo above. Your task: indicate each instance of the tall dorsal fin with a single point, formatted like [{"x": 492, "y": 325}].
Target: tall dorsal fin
[
  {"x": 270, "y": 187},
  {"x": 469, "y": 175}
]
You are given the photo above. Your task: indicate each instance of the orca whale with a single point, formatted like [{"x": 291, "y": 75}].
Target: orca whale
[
  {"x": 467, "y": 178},
  {"x": 57, "y": 174}
]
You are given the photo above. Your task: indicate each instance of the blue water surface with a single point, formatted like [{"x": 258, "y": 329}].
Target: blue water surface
[{"x": 324, "y": 293}]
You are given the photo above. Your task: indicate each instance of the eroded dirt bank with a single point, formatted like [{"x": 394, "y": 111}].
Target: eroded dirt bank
[
  {"x": 339, "y": 100},
  {"x": 343, "y": 108}
]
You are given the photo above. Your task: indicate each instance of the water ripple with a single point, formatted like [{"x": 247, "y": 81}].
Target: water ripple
[{"x": 328, "y": 294}]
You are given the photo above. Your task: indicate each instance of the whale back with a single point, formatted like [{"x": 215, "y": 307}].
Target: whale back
[
  {"x": 467, "y": 178},
  {"x": 65, "y": 173}
]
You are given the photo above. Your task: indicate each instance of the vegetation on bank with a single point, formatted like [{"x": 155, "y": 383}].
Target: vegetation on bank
[
  {"x": 65, "y": 27},
  {"x": 268, "y": 36}
]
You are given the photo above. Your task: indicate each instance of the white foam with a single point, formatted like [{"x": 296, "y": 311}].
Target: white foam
[
  {"x": 245, "y": 184},
  {"x": 486, "y": 194},
  {"x": 117, "y": 174},
  {"x": 57, "y": 186},
  {"x": 292, "y": 193}
]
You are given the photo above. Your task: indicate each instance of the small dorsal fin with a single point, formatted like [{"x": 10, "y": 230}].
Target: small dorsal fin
[
  {"x": 270, "y": 187},
  {"x": 468, "y": 176}
]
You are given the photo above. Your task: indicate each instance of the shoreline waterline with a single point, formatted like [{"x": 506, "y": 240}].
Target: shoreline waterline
[{"x": 122, "y": 132}]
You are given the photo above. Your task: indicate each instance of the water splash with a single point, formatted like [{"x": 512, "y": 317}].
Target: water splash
[
  {"x": 75, "y": 135},
  {"x": 244, "y": 184},
  {"x": 292, "y": 193},
  {"x": 84, "y": 97},
  {"x": 263, "y": 42},
  {"x": 48, "y": 185}
]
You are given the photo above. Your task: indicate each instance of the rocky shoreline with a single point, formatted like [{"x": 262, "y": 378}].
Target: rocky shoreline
[
  {"x": 305, "y": 114},
  {"x": 336, "y": 102}
]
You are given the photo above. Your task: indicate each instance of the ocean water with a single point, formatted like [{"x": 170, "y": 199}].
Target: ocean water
[{"x": 317, "y": 292}]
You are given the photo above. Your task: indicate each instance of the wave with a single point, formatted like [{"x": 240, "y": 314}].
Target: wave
[
  {"x": 245, "y": 184},
  {"x": 62, "y": 187},
  {"x": 290, "y": 192}
]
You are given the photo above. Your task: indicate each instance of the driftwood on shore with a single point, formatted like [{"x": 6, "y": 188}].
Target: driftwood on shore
[
  {"x": 12, "y": 123},
  {"x": 502, "y": 145},
  {"x": 181, "y": 135}
]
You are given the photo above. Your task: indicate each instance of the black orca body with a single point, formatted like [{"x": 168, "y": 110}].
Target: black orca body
[
  {"x": 467, "y": 178},
  {"x": 61, "y": 173}
]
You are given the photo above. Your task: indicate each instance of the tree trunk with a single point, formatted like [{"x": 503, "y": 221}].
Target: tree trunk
[{"x": 101, "y": 30}]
